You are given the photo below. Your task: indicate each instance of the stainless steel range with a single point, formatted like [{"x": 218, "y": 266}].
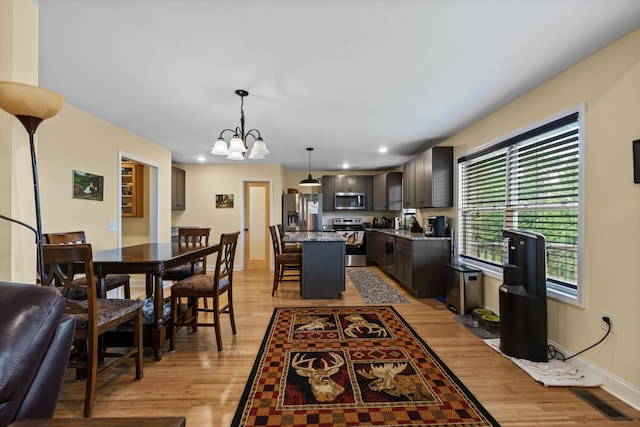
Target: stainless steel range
[{"x": 352, "y": 229}]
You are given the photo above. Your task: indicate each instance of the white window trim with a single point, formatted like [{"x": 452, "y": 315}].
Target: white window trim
[{"x": 497, "y": 273}]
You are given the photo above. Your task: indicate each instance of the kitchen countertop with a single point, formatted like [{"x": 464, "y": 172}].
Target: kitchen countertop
[
  {"x": 406, "y": 234},
  {"x": 313, "y": 236}
]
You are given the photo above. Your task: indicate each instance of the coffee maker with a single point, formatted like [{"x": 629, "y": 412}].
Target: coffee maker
[{"x": 436, "y": 226}]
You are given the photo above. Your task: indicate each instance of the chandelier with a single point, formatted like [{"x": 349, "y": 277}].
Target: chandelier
[{"x": 238, "y": 144}]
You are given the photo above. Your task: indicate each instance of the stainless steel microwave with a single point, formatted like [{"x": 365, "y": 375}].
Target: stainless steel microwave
[{"x": 349, "y": 201}]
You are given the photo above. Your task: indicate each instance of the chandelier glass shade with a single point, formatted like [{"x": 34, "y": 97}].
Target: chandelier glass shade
[
  {"x": 238, "y": 144},
  {"x": 309, "y": 181}
]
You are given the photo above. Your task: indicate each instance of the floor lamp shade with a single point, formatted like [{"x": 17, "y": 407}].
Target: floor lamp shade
[{"x": 31, "y": 105}]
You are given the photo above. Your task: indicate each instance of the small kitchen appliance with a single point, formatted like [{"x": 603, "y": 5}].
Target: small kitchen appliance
[
  {"x": 436, "y": 226},
  {"x": 352, "y": 229}
]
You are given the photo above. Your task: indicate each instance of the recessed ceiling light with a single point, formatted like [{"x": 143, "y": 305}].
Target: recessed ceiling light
[
  {"x": 382, "y": 150},
  {"x": 345, "y": 166},
  {"x": 201, "y": 158}
]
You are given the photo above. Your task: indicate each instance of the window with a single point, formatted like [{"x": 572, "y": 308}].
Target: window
[{"x": 529, "y": 181}]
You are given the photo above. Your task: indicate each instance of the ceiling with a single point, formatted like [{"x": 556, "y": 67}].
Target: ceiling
[{"x": 343, "y": 76}]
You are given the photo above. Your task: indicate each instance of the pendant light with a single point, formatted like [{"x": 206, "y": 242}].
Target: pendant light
[{"x": 309, "y": 182}]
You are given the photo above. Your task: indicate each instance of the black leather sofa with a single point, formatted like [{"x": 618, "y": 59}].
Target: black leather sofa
[{"x": 35, "y": 341}]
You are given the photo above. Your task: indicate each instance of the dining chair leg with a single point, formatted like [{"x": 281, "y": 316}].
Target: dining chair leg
[
  {"x": 275, "y": 280},
  {"x": 230, "y": 309},
  {"x": 92, "y": 367},
  {"x": 137, "y": 336},
  {"x": 172, "y": 329},
  {"x": 127, "y": 290},
  {"x": 216, "y": 321}
]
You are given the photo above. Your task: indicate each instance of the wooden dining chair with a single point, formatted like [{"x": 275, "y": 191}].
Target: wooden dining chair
[
  {"x": 189, "y": 236},
  {"x": 112, "y": 281},
  {"x": 207, "y": 286},
  {"x": 94, "y": 316},
  {"x": 286, "y": 264},
  {"x": 287, "y": 247}
]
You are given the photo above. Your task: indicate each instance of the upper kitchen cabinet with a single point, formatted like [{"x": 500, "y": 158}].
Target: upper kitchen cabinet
[
  {"x": 350, "y": 184},
  {"x": 428, "y": 179},
  {"x": 132, "y": 188},
  {"x": 328, "y": 192},
  {"x": 387, "y": 192},
  {"x": 177, "y": 189}
]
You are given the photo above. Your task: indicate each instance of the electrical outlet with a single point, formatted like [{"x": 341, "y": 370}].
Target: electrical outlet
[
  {"x": 113, "y": 226},
  {"x": 603, "y": 323}
]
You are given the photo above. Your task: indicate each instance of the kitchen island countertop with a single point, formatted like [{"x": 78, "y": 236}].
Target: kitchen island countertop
[{"x": 313, "y": 236}]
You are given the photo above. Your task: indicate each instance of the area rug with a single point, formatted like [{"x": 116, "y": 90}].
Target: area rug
[
  {"x": 373, "y": 288},
  {"x": 351, "y": 366}
]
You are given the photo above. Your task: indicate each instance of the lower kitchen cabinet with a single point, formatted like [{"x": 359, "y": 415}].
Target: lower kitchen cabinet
[
  {"x": 420, "y": 265},
  {"x": 417, "y": 264}
]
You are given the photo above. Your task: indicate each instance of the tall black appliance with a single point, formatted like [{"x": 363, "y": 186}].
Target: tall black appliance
[{"x": 523, "y": 297}]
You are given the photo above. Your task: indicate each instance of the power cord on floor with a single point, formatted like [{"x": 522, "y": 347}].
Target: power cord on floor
[{"x": 555, "y": 354}]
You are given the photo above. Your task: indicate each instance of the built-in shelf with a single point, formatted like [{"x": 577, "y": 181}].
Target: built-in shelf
[{"x": 132, "y": 188}]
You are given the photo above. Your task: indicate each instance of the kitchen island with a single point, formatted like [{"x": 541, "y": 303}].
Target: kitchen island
[{"x": 323, "y": 263}]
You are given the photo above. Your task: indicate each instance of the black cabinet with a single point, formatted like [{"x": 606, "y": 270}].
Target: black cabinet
[
  {"x": 328, "y": 192},
  {"x": 428, "y": 179},
  {"x": 350, "y": 184},
  {"x": 420, "y": 265},
  {"x": 177, "y": 189},
  {"x": 387, "y": 192}
]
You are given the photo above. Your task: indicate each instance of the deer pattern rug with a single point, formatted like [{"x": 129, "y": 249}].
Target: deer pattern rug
[{"x": 351, "y": 366}]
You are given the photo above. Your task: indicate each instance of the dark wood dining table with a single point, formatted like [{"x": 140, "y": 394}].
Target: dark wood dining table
[{"x": 152, "y": 260}]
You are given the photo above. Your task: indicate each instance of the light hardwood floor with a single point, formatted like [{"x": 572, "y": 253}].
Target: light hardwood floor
[{"x": 205, "y": 386}]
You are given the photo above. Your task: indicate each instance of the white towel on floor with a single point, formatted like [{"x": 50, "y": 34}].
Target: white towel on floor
[{"x": 551, "y": 373}]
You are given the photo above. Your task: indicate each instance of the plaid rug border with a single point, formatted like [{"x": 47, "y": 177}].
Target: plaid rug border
[{"x": 251, "y": 383}]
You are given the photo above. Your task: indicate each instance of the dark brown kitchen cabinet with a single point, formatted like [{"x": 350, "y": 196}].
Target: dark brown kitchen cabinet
[
  {"x": 375, "y": 248},
  {"x": 328, "y": 192},
  {"x": 387, "y": 192},
  {"x": 178, "y": 189},
  {"x": 428, "y": 179},
  {"x": 409, "y": 184},
  {"x": 420, "y": 265},
  {"x": 350, "y": 184}
]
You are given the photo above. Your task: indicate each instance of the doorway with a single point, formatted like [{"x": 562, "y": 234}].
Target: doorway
[
  {"x": 257, "y": 195},
  {"x": 145, "y": 228}
]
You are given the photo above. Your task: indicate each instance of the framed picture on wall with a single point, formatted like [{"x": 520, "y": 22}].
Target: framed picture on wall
[
  {"x": 224, "y": 200},
  {"x": 87, "y": 186}
]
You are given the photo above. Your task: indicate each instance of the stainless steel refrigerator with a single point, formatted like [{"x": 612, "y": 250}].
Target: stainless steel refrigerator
[{"x": 302, "y": 212}]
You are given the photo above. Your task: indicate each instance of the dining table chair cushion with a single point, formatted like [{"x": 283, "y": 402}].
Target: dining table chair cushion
[
  {"x": 109, "y": 280},
  {"x": 200, "y": 282},
  {"x": 108, "y": 310},
  {"x": 181, "y": 271}
]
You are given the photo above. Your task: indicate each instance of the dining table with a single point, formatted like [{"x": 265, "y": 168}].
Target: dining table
[{"x": 152, "y": 260}]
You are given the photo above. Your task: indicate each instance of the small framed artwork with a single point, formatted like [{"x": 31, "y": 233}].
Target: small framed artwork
[
  {"x": 636, "y": 161},
  {"x": 87, "y": 186},
  {"x": 224, "y": 200}
]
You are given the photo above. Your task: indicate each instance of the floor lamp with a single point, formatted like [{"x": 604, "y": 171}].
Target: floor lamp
[{"x": 31, "y": 105}]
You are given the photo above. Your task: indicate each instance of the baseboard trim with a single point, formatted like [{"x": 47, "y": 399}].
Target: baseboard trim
[{"x": 612, "y": 384}]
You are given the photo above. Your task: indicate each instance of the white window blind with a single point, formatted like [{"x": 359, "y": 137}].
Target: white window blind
[{"x": 527, "y": 182}]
